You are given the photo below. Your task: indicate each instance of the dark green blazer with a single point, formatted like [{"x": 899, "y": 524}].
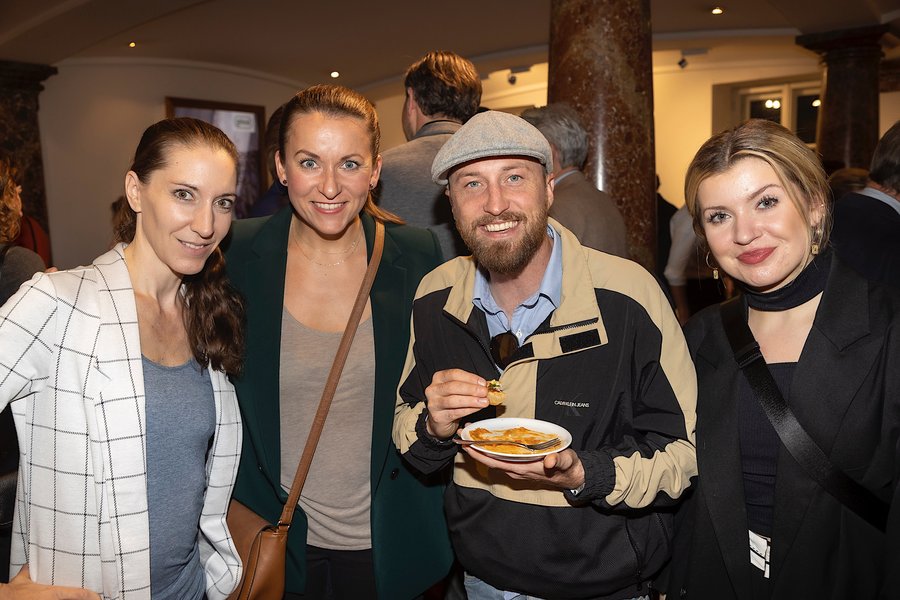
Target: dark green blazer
[{"x": 409, "y": 536}]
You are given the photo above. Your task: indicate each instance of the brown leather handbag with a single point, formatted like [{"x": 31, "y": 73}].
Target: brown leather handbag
[{"x": 261, "y": 545}]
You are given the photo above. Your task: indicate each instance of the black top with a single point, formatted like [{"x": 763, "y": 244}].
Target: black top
[
  {"x": 759, "y": 450},
  {"x": 844, "y": 392}
]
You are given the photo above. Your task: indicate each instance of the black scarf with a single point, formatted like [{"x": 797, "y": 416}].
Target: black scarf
[{"x": 806, "y": 286}]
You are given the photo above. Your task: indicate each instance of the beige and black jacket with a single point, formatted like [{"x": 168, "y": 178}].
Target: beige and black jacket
[{"x": 612, "y": 367}]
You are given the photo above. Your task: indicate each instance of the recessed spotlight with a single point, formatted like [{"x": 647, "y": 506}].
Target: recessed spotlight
[
  {"x": 335, "y": 74},
  {"x": 718, "y": 10},
  {"x": 132, "y": 44}
]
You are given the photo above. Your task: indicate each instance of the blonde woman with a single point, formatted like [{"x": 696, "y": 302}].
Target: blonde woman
[{"x": 758, "y": 524}]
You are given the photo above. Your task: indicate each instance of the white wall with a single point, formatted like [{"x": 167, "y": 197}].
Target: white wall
[
  {"x": 889, "y": 111},
  {"x": 682, "y": 103},
  {"x": 682, "y": 109},
  {"x": 92, "y": 114},
  {"x": 389, "y": 109},
  {"x": 530, "y": 89}
]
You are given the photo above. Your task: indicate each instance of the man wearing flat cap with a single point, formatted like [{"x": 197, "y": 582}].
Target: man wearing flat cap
[{"x": 577, "y": 338}]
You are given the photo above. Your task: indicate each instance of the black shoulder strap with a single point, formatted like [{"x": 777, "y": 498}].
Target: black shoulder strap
[{"x": 802, "y": 447}]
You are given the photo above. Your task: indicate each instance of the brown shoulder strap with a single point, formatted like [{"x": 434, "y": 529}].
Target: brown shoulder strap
[{"x": 333, "y": 377}]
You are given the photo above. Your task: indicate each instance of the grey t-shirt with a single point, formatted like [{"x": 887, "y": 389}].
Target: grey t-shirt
[
  {"x": 336, "y": 496},
  {"x": 181, "y": 421}
]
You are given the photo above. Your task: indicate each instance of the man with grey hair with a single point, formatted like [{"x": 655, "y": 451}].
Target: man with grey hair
[
  {"x": 443, "y": 90},
  {"x": 588, "y": 212},
  {"x": 866, "y": 233},
  {"x": 578, "y": 339}
]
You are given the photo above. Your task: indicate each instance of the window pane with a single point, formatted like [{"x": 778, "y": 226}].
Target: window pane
[
  {"x": 807, "y": 115},
  {"x": 768, "y": 108}
]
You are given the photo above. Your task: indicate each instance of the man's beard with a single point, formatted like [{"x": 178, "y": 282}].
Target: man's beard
[{"x": 506, "y": 257}]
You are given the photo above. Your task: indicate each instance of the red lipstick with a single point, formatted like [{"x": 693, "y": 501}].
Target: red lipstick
[{"x": 753, "y": 257}]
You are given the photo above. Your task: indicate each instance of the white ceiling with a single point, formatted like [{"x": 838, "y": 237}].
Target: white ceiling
[{"x": 370, "y": 42}]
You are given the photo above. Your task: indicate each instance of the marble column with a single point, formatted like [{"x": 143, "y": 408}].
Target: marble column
[
  {"x": 20, "y": 138},
  {"x": 601, "y": 65},
  {"x": 847, "y": 130}
]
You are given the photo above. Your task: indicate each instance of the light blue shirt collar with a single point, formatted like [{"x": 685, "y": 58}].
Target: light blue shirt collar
[
  {"x": 534, "y": 310},
  {"x": 564, "y": 175},
  {"x": 879, "y": 195}
]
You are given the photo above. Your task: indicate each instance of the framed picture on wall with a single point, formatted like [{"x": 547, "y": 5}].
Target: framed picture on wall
[{"x": 245, "y": 125}]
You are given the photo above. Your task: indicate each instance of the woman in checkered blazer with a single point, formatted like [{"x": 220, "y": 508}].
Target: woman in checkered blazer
[{"x": 116, "y": 372}]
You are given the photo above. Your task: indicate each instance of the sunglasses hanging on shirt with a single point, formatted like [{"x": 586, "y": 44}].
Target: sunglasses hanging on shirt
[{"x": 503, "y": 346}]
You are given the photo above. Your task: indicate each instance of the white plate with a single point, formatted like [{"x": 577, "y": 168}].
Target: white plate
[{"x": 503, "y": 423}]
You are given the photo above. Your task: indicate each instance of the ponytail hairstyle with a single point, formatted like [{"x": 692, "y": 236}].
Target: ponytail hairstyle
[
  {"x": 214, "y": 311},
  {"x": 337, "y": 101}
]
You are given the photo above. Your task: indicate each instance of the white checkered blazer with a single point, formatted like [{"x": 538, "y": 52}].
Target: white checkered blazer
[{"x": 70, "y": 364}]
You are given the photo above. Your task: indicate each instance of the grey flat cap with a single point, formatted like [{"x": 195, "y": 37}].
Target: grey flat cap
[{"x": 491, "y": 133}]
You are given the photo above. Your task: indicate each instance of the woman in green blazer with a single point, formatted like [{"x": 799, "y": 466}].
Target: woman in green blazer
[{"x": 365, "y": 526}]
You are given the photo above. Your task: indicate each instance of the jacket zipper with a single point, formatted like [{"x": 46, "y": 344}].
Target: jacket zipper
[
  {"x": 487, "y": 351},
  {"x": 637, "y": 558},
  {"x": 570, "y": 326},
  {"x": 662, "y": 528}
]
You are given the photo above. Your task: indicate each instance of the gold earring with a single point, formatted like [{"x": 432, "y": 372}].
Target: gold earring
[
  {"x": 814, "y": 249},
  {"x": 715, "y": 270}
]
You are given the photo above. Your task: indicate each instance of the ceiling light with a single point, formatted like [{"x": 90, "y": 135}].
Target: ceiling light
[
  {"x": 817, "y": 103},
  {"x": 335, "y": 74},
  {"x": 718, "y": 10},
  {"x": 131, "y": 44}
]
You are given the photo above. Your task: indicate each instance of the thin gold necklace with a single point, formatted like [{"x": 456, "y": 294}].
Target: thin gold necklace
[{"x": 348, "y": 252}]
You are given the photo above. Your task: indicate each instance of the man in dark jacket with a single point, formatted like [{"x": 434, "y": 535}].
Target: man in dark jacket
[
  {"x": 577, "y": 337},
  {"x": 866, "y": 233}
]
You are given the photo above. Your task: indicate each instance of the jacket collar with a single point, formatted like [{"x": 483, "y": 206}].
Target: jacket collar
[
  {"x": 437, "y": 127},
  {"x": 577, "y": 313},
  {"x": 842, "y": 318},
  {"x": 568, "y": 179}
]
